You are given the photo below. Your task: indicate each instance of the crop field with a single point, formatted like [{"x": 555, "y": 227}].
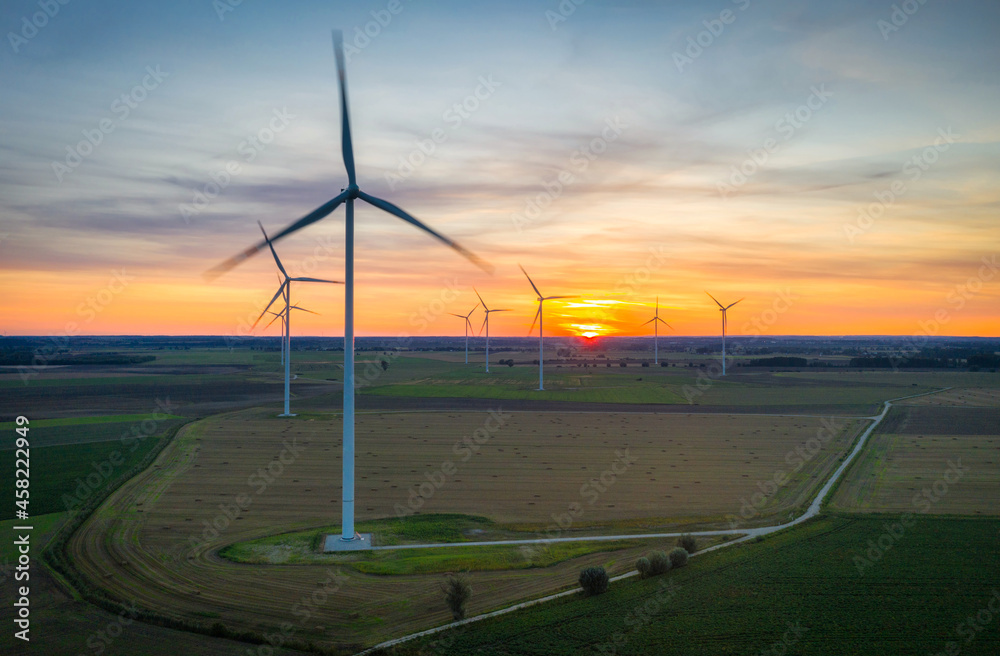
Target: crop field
[
  {"x": 801, "y": 591},
  {"x": 928, "y": 459},
  {"x": 77, "y": 458},
  {"x": 672, "y": 470},
  {"x": 842, "y": 395}
]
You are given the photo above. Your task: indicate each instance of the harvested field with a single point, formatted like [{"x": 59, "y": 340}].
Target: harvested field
[{"x": 681, "y": 471}]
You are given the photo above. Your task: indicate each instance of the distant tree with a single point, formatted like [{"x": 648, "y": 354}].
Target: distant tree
[
  {"x": 385, "y": 365},
  {"x": 688, "y": 542},
  {"x": 665, "y": 364},
  {"x": 457, "y": 591},
  {"x": 609, "y": 364},
  {"x": 645, "y": 364},
  {"x": 594, "y": 581},
  {"x": 678, "y": 557},
  {"x": 623, "y": 364},
  {"x": 510, "y": 362}
]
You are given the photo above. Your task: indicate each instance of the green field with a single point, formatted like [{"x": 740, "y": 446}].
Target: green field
[
  {"x": 83, "y": 459},
  {"x": 914, "y": 599}
]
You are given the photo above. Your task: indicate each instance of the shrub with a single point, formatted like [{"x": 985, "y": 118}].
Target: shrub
[
  {"x": 456, "y": 593},
  {"x": 594, "y": 580},
  {"x": 689, "y": 543},
  {"x": 660, "y": 563},
  {"x": 678, "y": 557},
  {"x": 644, "y": 567}
]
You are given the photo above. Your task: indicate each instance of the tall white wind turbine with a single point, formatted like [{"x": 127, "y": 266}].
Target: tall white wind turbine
[
  {"x": 722, "y": 309},
  {"x": 347, "y": 198},
  {"x": 285, "y": 290},
  {"x": 486, "y": 322},
  {"x": 468, "y": 324},
  {"x": 656, "y": 320},
  {"x": 538, "y": 317}
]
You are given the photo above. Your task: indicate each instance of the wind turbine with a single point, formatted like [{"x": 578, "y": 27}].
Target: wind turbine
[
  {"x": 722, "y": 309},
  {"x": 538, "y": 317},
  {"x": 656, "y": 320},
  {"x": 347, "y": 198},
  {"x": 468, "y": 324},
  {"x": 285, "y": 290},
  {"x": 486, "y": 322}
]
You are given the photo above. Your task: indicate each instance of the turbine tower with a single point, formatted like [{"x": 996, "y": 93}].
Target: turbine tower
[
  {"x": 538, "y": 317},
  {"x": 486, "y": 322},
  {"x": 285, "y": 290},
  {"x": 656, "y": 320},
  {"x": 468, "y": 324},
  {"x": 347, "y": 198},
  {"x": 722, "y": 309}
]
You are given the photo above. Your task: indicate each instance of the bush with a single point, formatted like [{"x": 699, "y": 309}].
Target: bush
[
  {"x": 660, "y": 563},
  {"x": 689, "y": 543},
  {"x": 594, "y": 581},
  {"x": 678, "y": 557},
  {"x": 644, "y": 567},
  {"x": 456, "y": 593}
]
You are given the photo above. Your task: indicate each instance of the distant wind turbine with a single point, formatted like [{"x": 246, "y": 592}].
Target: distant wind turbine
[
  {"x": 347, "y": 198},
  {"x": 468, "y": 324},
  {"x": 656, "y": 320},
  {"x": 722, "y": 309},
  {"x": 285, "y": 290},
  {"x": 538, "y": 317},
  {"x": 486, "y": 322}
]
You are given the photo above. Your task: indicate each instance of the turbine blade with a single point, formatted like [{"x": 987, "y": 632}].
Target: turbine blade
[
  {"x": 484, "y": 323},
  {"x": 460, "y": 316},
  {"x": 481, "y": 301},
  {"x": 472, "y": 310},
  {"x": 549, "y": 298},
  {"x": 732, "y": 304},
  {"x": 650, "y": 321},
  {"x": 314, "y": 216},
  {"x": 399, "y": 212},
  {"x": 273, "y": 299},
  {"x": 277, "y": 260},
  {"x": 276, "y": 317},
  {"x": 713, "y": 298},
  {"x": 296, "y": 307},
  {"x": 535, "y": 320},
  {"x": 335, "y": 282},
  {"x": 503, "y": 310},
  {"x": 346, "y": 146},
  {"x": 530, "y": 281}
]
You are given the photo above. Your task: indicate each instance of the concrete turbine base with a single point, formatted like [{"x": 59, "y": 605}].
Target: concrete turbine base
[{"x": 334, "y": 543}]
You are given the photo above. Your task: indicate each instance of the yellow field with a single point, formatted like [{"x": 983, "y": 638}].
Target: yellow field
[{"x": 251, "y": 475}]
